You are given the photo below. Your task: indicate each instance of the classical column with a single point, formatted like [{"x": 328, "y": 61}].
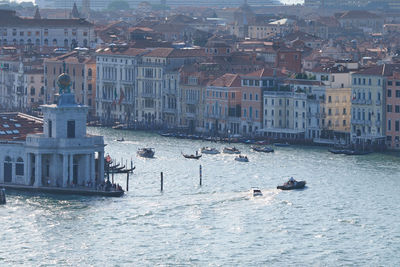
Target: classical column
[
  {"x": 53, "y": 169},
  {"x": 38, "y": 170},
  {"x": 100, "y": 177},
  {"x": 86, "y": 168},
  {"x": 92, "y": 167},
  {"x": 71, "y": 168},
  {"x": 65, "y": 169},
  {"x": 28, "y": 169}
]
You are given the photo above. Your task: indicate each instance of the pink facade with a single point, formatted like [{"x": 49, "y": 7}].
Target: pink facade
[
  {"x": 393, "y": 111},
  {"x": 251, "y": 109}
]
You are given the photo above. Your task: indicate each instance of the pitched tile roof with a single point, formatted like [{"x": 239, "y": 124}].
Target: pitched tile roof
[
  {"x": 227, "y": 80},
  {"x": 16, "y": 126}
]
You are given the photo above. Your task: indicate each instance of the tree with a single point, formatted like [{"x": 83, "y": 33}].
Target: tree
[{"x": 118, "y": 5}]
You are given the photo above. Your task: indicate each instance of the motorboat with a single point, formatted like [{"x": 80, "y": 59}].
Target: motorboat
[
  {"x": 146, "y": 152},
  {"x": 292, "y": 184},
  {"x": 242, "y": 158},
  {"x": 231, "y": 150},
  {"x": 264, "y": 149},
  {"x": 256, "y": 192},
  {"x": 191, "y": 156},
  {"x": 209, "y": 150},
  {"x": 120, "y": 140}
]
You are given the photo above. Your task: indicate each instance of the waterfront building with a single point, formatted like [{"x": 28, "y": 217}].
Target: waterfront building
[
  {"x": 116, "y": 86},
  {"x": 193, "y": 83},
  {"x": 39, "y": 32},
  {"x": 315, "y": 91},
  {"x": 53, "y": 152},
  {"x": 141, "y": 85},
  {"x": 338, "y": 113},
  {"x": 222, "y": 112},
  {"x": 81, "y": 66},
  {"x": 336, "y": 107},
  {"x": 368, "y": 123},
  {"x": 393, "y": 111},
  {"x": 284, "y": 113}
]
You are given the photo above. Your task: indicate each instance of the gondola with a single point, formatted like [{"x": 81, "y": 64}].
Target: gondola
[{"x": 192, "y": 156}]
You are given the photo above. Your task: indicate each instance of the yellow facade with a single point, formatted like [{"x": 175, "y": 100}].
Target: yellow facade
[{"x": 338, "y": 109}]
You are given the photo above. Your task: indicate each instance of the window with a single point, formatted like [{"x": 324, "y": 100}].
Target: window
[
  {"x": 389, "y": 93},
  {"x": 397, "y": 93},
  {"x": 50, "y": 128},
  {"x": 71, "y": 129},
  {"x": 19, "y": 167},
  {"x": 397, "y": 109},
  {"x": 397, "y": 126},
  {"x": 390, "y": 83},
  {"x": 389, "y": 108},
  {"x": 389, "y": 125}
]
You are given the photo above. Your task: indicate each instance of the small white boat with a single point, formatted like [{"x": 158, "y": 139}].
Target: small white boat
[
  {"x": 231, "y": 150},
  {"x": 242, "y": 158},
  {"x": 209, "y": 150},
  {"x": 256, "y": 192}
]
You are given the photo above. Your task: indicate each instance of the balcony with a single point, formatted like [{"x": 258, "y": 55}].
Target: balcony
[
  {"x": 149, "y": 94},
  {"x": 378, "y": 102},
  {"x": 358, "y": 122},
  {"x": 192, "y": 101},
  {"x": 169, "y": 110}
]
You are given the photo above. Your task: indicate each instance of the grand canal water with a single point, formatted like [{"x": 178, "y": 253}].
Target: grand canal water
[{"x": 348, "y": 215}]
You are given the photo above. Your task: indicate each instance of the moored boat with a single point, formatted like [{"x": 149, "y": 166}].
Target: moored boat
[
  {"x": 264, "y": 149},
  {"x": 209, "y": 150},
  {"x": 292, "y": 184},
  {"x": 231, "y": 150},
  {"x": 146, "y": 152},
  {"x": 242, "y": 158},
  {"x": 281, "y": 144}
]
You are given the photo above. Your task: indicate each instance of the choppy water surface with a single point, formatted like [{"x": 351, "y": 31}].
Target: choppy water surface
[{"x": 348, "y": 215}]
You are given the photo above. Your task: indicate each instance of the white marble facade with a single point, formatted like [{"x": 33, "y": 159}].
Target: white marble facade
[{"x": 62, "y": 156}]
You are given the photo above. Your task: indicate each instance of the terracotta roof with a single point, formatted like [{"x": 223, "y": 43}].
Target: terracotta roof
[
  {"x": 227, "y": 80},
  {"x": 175, "y": 53},
  {"x": 265, "y": 72},
  {"x": 380, "y": 70},
  {"x": 16, "y": 126},
  {"x": 358, "y": 14}
]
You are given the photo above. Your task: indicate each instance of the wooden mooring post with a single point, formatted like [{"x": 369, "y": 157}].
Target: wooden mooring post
[
  {"x": 200, "y": 173},
  {"x": 2, "y": 196},
  {"x": 127, "y": 181},
  {"x": 162, "y": 182}
]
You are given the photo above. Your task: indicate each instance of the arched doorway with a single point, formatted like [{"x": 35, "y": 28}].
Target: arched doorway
[{"x": 7, "y": 170}]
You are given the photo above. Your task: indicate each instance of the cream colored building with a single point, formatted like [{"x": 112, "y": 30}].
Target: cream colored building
[
  {"x": 284, "y": 114},
  {"x": 368, "y": 102}
]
